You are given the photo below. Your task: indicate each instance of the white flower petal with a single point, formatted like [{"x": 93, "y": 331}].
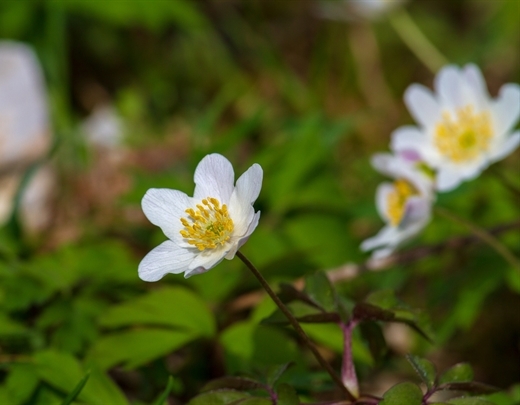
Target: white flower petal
[
  {"x": 198, "y": 270},
  {"x": 448, "y": 179},
  {"x": 244, "y": 195},
  {"x": 207, "y": 259},
  {"x": 165, "y": 258},
  {"x": 386, "y": 236},
  {"x": 382, "y": 192},
  {"x": 252, "y": 226},
  {"x": 448, "y": 84},
  {"x": 476, "y": 86},
  {"x": 506, "y": 108},
  {"x": 164, "y": 208},
  {"x": 507, "y": 147},
  {"x": 417, "y": 210},
  {"x": 214, "y": 178},
  {"x": 422, "y": 104},
  {"x": 410, "y": 141}
]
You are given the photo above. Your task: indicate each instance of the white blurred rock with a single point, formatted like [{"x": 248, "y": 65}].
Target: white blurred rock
[{"x": 24, "y": 117}]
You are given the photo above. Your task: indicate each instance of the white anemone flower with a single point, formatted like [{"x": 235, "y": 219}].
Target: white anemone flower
[
  {"x": 206, "y": 228},
  {"x": 405, "y": 204},
  {"x": 462, "y": 130}
]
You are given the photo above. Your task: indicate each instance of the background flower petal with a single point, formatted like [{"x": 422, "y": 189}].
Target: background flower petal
[
  {"x": 214, "y": 177},
  {"x": 423, "y": 106},
  {"x": 506, "y": 108},
  {"x": 448, "y": 85}
]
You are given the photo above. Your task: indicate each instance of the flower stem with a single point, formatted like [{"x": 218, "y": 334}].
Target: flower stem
[
  {"x": 348, "y": 371},
  {"x": 414, "y": 38},
  {"x": 292, "y": 320},
  {"x": 483, "y": 235}
]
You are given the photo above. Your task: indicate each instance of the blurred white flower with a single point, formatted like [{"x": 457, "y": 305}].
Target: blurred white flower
[
  {"x": 462, "y": 129},
  {"x": 349, "y": 9},
  {"x": 24, "y": 117},
  {"x": 206, "y": 228},
  {"x": 405, "y": 204},
  {"x": 104, "y": 127}
]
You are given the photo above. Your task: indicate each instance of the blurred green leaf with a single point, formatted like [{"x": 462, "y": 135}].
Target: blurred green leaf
[
  {"x": 74, "y": 394},
  {"x": 469, "y": 401},
  {"x": 275, "y": 372},
  {"x": 134, "y": 348},
  {"x": 164, "y": 396},
  {"x": 63, "y": 372},
  {"x": 373, "y": 335},
  {"x": 175, "y": 307},
  {"x": 320, "y": 290},
  {"x": 287, "y": 395},
  {"x": 471, "y": 387},
  {"x": 461, "y": 372},
  {"x": 404, "y": 393},
  {"x": 222, "y": 397},
  {"x": 424, "y": 368},
  {"x": 235, "y": 383}
]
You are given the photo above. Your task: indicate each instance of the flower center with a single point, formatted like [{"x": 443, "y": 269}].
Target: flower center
[
  {"x": 208, "y": 226},
  {"x": 465, "y": 136},
  {"x": 396, "y": 200}
]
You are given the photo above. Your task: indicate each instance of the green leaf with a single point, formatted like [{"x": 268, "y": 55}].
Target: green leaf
[
  {"x": 365, "y": 311},
  {"x": 404, "y": 393},
  {"x": 276, "y": 372},
  {"x": 164, "y": 396},
  {"x": 287, "y": 395},
  {"x": 21, "y": 382},
  {"x": 461, "y": 372},
  {"x": 63, "y": 371},
  {"x": 253, "y": 401},
  {"x": 171, "y": 306},
  {"x": 74, "y": 394},
  {"x": 319, "y": 288},
  {"x": 222, "y": 397},
  {"x": 288, "y": 294},
  {"x": 424, "y": 368},
  {"x": 235, "y": 383},
  {"x": 373, "y": 335},
  {"x": 134, "y": 348},
  {"x": 471, "y": 387},
  {"x": 470, "y": 401}
]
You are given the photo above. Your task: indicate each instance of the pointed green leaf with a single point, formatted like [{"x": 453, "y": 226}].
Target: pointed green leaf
[
  {"x": 320, "y": 290},
  {"x": 164, "y": 396},
  {"x": 74, "y": 394},
  {"x": 365, "y": 311},
  {"x": 373, "y": 335},
  {"x": 424, "y": 368},
  {"x": 461, "y": 372},
  {"x": 276, "y": 372},
  {"x": 404, "y": 393},
  {"x": 287, "y": 395}
]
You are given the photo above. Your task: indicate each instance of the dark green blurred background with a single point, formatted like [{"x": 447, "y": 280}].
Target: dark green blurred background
[{"x": 266, "y": 81}]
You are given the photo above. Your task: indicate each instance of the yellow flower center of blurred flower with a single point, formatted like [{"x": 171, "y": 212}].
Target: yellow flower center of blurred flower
[
  {"x": 465, "y": 136},
  {"x": 396, "y": 200},
  {"x": 208, "y": 226}
]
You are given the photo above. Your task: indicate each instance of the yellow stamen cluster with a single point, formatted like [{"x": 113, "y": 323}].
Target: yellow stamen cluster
[
  {"x": 208, "y": 226},
  {"x": 465, "y": 136},
  {"x": 396, "y": 200}
]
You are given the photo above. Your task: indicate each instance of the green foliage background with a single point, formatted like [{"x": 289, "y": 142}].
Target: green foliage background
[{"x": 258, "y": 81}]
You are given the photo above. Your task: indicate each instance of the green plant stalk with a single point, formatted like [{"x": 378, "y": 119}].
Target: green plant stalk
[
  {"x": 414, "y": 38},
  {"x": 295, "y": 324},
  {"x": 483, "y": 235}
]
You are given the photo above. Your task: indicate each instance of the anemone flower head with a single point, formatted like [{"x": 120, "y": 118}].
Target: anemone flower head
[
  {"x": 404, "y": 205},
  {"x": 206, "y": 228},
  {"x": 462, "y": 130}
]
